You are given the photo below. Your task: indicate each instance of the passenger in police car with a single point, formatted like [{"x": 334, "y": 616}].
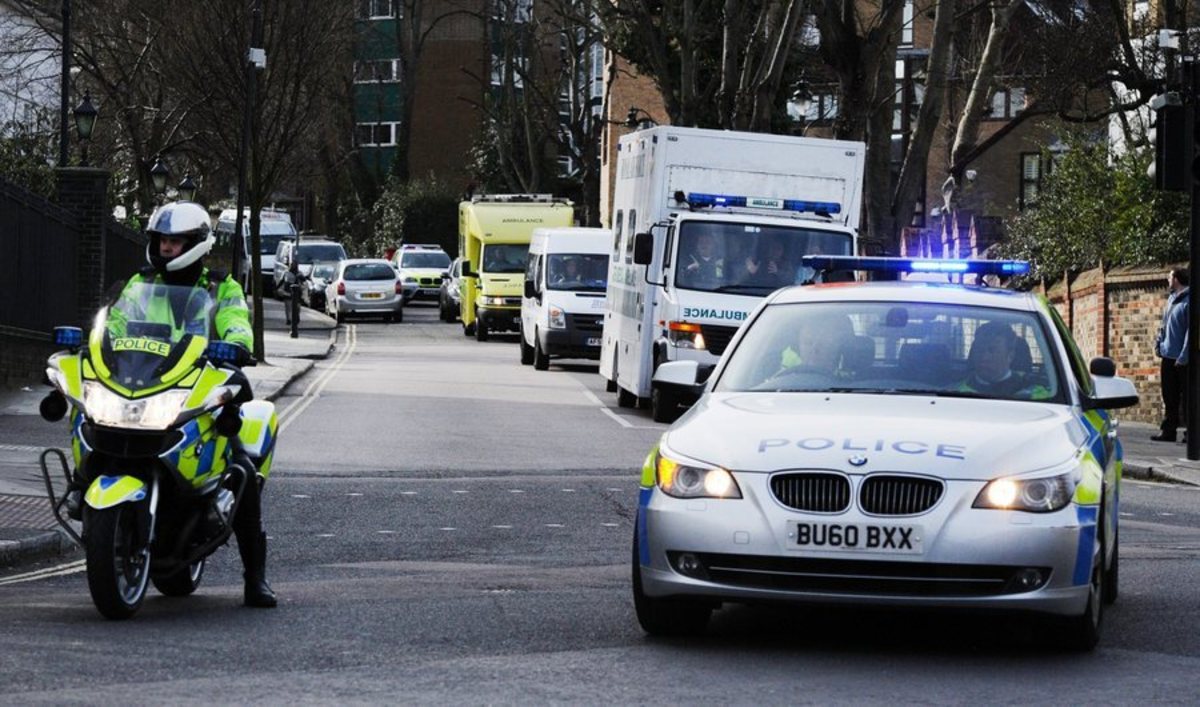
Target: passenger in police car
[{"x": 993, "y": 353}]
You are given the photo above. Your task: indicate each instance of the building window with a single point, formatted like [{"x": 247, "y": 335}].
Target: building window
[
  {"x": 381, "y": 71},
  {"x": 377, "y": 9},
  {"x": 906, "y": 29},
  {"x": 1035, "y": 167},
  {"x": 375, "y": 134},
  {"x": 1006, "y": 103}
]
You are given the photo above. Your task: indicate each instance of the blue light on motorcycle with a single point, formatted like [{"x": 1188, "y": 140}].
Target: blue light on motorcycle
[
  {"x": 70, "y": 336},
  {"x": 222, "y": 351}
]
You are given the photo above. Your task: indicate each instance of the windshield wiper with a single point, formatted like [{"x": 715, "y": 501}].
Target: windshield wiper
[{"x": 742, "y": 288}]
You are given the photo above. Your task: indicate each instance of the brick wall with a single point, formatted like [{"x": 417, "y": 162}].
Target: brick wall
[
  {"x": 1116, "y": 313},
  {"x": 83, "y": 191}
]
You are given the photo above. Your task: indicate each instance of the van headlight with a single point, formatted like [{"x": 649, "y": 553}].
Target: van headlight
[
  {"x": 687, "y": 480},
  {"x": 494, "y": 301},
  {"x": 1041, "y": 495},
  {"x": 156, "y": 412},
  {"x": 558, "y": 320}
]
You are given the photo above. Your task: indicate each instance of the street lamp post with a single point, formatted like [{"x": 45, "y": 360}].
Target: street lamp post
[
  {"x": 85, "y": 120},
  {"x": 159, "y": 174},
  {"x": 187, "y": 189}
]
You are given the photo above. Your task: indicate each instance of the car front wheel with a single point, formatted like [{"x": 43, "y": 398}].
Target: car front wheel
[{"x": 666, "y": 616}]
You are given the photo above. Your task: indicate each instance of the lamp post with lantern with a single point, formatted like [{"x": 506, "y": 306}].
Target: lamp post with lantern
[
  {"x": 187, "y": 189},
  {"x": 85, "y": 119}
]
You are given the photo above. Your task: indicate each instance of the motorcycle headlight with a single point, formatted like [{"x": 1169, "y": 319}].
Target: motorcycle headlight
[
  {"x": 156, "y": 412},
  {"x": 558, "y": 320},
  {"x": 1041, "y": 495},
  {"x": 683, "y": 480}
]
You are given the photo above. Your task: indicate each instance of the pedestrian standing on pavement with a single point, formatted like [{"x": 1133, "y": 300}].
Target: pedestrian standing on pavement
[{"x": 1172, "y": 348}]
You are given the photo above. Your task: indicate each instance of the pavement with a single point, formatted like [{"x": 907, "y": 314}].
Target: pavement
[{"x": 28, "y": 531}]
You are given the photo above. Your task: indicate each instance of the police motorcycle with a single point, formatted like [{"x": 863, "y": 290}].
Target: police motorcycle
[{"x": 164, "y": 439}]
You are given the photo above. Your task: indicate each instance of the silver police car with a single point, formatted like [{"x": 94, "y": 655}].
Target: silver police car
[{"x": 889, "y": 443}]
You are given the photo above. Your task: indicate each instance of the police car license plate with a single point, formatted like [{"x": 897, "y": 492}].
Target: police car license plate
[
  {"x": 372, "y": 295},
  {"x": 593, "y": 341},
  {"x": 869, "y": 537}
]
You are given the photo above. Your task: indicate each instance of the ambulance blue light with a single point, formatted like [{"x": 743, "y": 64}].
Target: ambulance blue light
[
  {"x": 756, "y": 202},
  {"x": 69, "y": 336},
  {"x": 902, "y": 265}
]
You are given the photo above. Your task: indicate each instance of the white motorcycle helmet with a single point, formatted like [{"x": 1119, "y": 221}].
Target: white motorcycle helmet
[{"x": 180, "y": 219}]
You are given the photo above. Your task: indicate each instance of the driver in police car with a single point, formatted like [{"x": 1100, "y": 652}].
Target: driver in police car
[{"x": 991, "y": 359}]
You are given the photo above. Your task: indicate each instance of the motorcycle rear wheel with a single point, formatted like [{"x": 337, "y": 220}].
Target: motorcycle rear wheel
[
  {"x": 182, "y": 582},
  {"x": 118, "y": 566}
]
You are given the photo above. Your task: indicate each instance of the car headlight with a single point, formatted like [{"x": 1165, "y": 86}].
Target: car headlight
[
  {"x": 1042, "y": 495},
  {"x": 156, "y": 412},
  {"x": 685, "y": 335},
  {"x": 558, "y": 320},
  {"x": 413, "y": 280},
  {"x": 692, "y": 481}
]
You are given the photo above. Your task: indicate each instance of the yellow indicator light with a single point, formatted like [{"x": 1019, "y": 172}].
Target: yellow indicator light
[
  {"x": 1002, "y": 493},
  {"x": 666, "y": 472}
]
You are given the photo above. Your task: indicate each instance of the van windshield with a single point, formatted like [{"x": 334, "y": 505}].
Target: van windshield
[
  {"x": 505, "y": 257},
  {"x": 752, "y": 259},
  {"x": 576, "y": 271},
  {"x": 268, "y": 243}
]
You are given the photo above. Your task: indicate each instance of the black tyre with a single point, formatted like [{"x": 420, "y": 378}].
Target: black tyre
[
  {"x": 118, "y": 565},
  {"x": 399, "y": 315},
  {"x": 340, "y": 317},
  {"x": 666, "y": 616},
  {"x": 526, "y": 350},
  {"x": 1082, "y": 633},
  {"x": 481, "y": 330},
  {"x": 468, "y": 329},
  {"x": 541, "y": 360},
  {"x": 180, "y": 583},
  {"x": 610, "y": 386},
  {"x": 1113, "y": 575},
  {"x": 664, "y": 405},
  {"x": 626, "y": 399}
]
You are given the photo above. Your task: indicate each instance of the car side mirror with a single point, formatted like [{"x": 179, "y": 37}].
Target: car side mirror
[
  {"x": 530, "y": 290},
  {"x": 466, "y": 272},
  {"x": 682, "y": 376},
  {"x": 1111, "y": 393},
  {"x": 643, "y": 248},
  {"x": 1102, "y": 366},
  {"x": 445, "y": 274}
]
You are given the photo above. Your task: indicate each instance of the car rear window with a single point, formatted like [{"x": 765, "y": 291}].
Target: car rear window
[
  {"x": 308, "y": 254},
  {"x": 369, "y": 271}
]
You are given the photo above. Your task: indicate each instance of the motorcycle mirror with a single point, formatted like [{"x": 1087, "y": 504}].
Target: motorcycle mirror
[{"x": 53, "y": 407}]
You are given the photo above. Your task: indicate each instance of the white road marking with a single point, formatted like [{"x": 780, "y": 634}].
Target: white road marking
[
  {"x": 447, "y": 528},
  {"x": 620, "y": 420},
  {"x": 502, "y": 527},
  {"x": 1126, "y": 515},
  {"x": 555, "y": 525},
  {"x": 516, "y": 491},
  {"x": 460, "y": 491},
  {"x": 301, "y": 495},
  {"x": 611, "y": 525},
  {"x": 386, "y": 532},
  {"x": 568, "y": 490},
  {"x": 313, "y": 391},
  {"x": 354, "y": 493},
  {"x": 1166, "y": 514},
  {"x": 326, "y": 535},
  {"x": 408, "y": 493},
  {"x": 46, "y": 572},
  {"x": 587, "y": 393}
]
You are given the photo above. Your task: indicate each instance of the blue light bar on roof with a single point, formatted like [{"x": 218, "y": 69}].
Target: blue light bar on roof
[
  {"x": 901, "y": 265},
  {"x": 759, "y": 202}
]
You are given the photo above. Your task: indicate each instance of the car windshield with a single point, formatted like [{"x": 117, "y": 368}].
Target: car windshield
[
  {"x": 432, "y": 259},
  {"x": 505, "y": 257},
  {"x": 749, "y": 258},
  {"x": 148, "y": 330},
  {"x": 581, "y": 272},
  {"x": 323, "y": 271},
  {"x": 369, "y": 271},
  {"x": 309, "y": 253},
  {"x": 901, "y": 348}
]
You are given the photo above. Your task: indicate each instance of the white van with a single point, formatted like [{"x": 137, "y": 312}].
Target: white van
[
  {"x": 274, "y": 226},
  {"x": 562, "y": 310}
]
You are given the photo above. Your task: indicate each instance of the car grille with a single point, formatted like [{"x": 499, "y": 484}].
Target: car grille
[
  {"x": 884, "y": 495},
  {"x": 816, "y": 492},
  {"x": 869, "y": 577},
  {"x": 716, "y": 338},
  {"x": 593, "y": 323},
  {"x": 429, "y": 281}
]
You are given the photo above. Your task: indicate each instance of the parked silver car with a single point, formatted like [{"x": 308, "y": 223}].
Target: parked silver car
[
  {"x": 449, "y": 294},
  {"x": 312, "y": 292},
  {"x": 365, "y": 286}
]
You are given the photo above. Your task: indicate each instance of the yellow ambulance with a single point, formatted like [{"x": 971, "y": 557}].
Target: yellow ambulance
[{"x": 493, "y": 239}]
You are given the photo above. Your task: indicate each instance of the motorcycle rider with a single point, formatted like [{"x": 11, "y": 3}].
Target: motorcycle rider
[{"x": 180, "y": 236}]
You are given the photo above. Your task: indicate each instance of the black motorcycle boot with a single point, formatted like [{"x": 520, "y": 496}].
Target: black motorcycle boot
[{"x": 253, "y": 548}]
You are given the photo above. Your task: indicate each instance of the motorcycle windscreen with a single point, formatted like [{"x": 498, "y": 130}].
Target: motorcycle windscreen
[{"x": 151, "y": 329}]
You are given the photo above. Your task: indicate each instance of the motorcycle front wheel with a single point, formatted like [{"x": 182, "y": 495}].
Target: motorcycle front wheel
[
  {"x": 182, "y": 582},
  {"x": 118, "y": 564}
]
